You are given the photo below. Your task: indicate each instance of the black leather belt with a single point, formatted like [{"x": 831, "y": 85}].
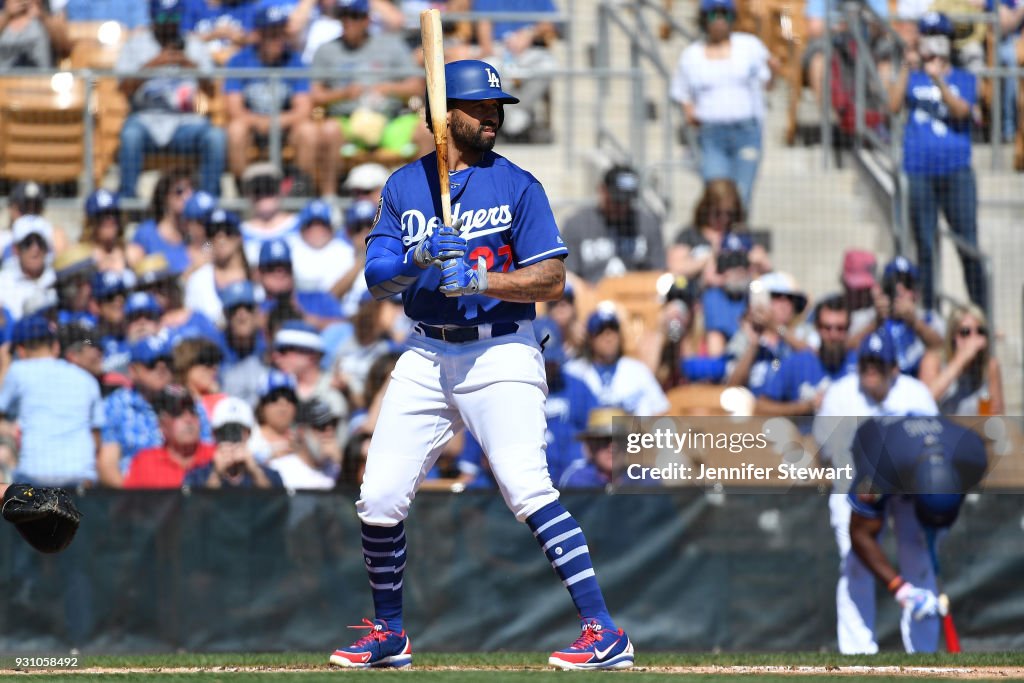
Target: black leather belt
[{"x": 461, "y": 335}]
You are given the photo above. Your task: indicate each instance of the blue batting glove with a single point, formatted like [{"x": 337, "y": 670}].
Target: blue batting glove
[
  {"x": 441, "y": 245},
  {"x": 459, "y": 279},
  {"x": 920, "y": 602}
]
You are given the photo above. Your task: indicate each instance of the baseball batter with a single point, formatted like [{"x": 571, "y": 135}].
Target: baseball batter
[
  {"x": 877, "y": 389},
  {"x": 916, "y": 470},
  {"x": 472, "y": 362}
]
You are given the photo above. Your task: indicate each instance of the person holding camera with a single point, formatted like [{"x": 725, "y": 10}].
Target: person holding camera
[
  {"x": 938, "y": 98},
  {"x": 233, "y": 464},
  {"x": 913, "y": 330}
]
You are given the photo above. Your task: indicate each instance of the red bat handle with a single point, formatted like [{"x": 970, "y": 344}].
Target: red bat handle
[{"x": 949, "y": 630}]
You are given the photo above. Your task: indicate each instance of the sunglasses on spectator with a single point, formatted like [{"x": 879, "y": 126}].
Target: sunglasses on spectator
[
  {"x": 179, "y": 408},
  {"x": 294, "y": 349},
  {"x": 349, "y": 14},
  {"x": 968, "y": 331},
  {"x": 598, "y": 442},
  {"x": 834, "y": 328},
  {"x": 157, "y": 362},
  {"x": 229, "y": 229},
  {"x": 34, "y": 240},
  {"x": 362, "y": 191},
  {"x": 245, "y": 307},
  {"x": 359, "y": 227},
  {"x": 725, "y": 213},
  {"x": 264, "y": 186},
  {"x": 179, "y": 190},
  {"x": 144, "y": 315},
  {"x": 278, "y": 394},
  {"x": 324, "y": 427},
  {"x": 277, "y": 268},
  {"x": 208, "y": 358},
  {"x": 718, "y": 14}
]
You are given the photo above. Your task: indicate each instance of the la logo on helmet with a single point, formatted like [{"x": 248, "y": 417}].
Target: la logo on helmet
[{"x": 492, "y": 79}]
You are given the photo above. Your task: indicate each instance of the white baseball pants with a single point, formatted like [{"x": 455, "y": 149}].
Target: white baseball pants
[
  {"x": 855, "y": 593},
  {"x": 494, "y": 387}
]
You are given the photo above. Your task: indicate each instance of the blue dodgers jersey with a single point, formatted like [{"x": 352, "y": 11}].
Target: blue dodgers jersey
[
  {"x": 934, "y": 143},
  {"x": 887, "y": 450},
  {"x": 802, "y": 374},
  {"x": 506, "y": 218}
]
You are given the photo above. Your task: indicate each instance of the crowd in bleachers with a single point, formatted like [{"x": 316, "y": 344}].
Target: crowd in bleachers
[{"x": 209, "y": 349}]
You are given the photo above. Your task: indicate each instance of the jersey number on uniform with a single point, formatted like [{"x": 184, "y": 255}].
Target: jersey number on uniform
[{"x": 504, "y": 250}]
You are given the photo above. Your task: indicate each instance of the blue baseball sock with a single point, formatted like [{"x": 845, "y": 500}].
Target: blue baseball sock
[
  {"x": 562, "y": 541},
  {"x": 384, "y": 555}
]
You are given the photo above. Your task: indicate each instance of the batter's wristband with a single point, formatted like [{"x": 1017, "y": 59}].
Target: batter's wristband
[{"x": 895, "y": 584}]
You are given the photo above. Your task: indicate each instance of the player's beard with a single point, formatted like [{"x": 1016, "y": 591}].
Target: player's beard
[{"x": 472, "y": 137}]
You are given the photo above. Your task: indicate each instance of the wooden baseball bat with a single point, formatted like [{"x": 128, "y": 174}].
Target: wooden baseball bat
[
  {"x": 433, "y": 63},
  {"x": 948, "y": 627}
]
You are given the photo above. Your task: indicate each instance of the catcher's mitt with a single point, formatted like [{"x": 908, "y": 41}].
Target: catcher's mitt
[{"x": 47, "y": 518}]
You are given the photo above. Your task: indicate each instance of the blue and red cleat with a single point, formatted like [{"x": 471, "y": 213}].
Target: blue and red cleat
[
  {"x": 381, "y": 647},
  {"x": 596, "y": 648}
]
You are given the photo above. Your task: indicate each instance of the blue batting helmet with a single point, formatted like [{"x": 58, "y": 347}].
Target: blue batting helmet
[{"x": 471, "y": 79}]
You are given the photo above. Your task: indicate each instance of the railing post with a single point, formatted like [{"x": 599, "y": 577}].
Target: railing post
[
  {"x": 275, "y": 121},
  {"x": 88, "y": 140},
  {"x": 637, "y": 139},
  {"x": 997, "y": 103},
  {"x": 601, "y": 51},
  {"x": 570, "y": 103},
  {"x": 826, "y": 90}
]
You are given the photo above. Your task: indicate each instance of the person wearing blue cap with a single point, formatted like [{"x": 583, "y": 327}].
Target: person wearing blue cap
[
  {"x": 109, "y": 290},
  {"x": 913, "y": 329},
  {"x": 358, "y": 58},
  {"x": 56, "y": 405},
  {"x": 227, "y": 265},
  {"x": 876, "y": 389},
  {"x": 616, "y": 379},
  {"x": 164, "y": 117},
  {"x": 132, "y": 423},
  {"x": 104, "y": 230},
  {"x": 250, "y": 101},
  {"x": 915, "y": 471},
  {"x": 195, "y": 214},
  {"x": 277, "y": 275},
  {"x": 719, "y": 83},
  {"x": 245, "y": 343},
  {"x": 939, "y": 99},
  {"x": 569, "y": 402},
  {"x": 319, "y": 258}
]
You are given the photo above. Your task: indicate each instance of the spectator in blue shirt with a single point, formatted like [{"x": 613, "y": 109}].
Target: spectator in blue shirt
[
  {"x": 725, "y": 305},
  {"x": 597, "y": 469},
  {"x": 57, "y": 406},
  {"x": 800, "y": 383},
  {"x": 222, "y": 26},
  {"x": 164, "y": 233},
  {"x": 569, "y": 402},
  {"x": 937, "y": 151},
  {"x": 251, "y": 101},
  {"x": 132, "y": 14},
  {"x": 246, "y": 346},
  {"x": 913, "y": 330}
]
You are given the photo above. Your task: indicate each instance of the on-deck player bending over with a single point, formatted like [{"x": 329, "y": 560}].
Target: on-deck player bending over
[
  {"x": 472, "y": 361},
  {"x": 916, "y": 471}
]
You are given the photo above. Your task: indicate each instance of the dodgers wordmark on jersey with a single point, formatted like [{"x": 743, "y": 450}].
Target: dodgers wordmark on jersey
[{"x": 506, "y": 219}]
